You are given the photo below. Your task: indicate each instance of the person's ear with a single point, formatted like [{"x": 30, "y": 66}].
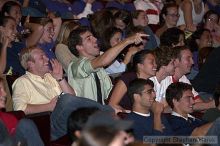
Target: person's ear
[
  {"x": 78, "y": 47},
  {"x": 175, "y": 102}
]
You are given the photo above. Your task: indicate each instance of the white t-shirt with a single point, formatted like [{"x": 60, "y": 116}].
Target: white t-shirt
[{"x": 160, "y": 88}]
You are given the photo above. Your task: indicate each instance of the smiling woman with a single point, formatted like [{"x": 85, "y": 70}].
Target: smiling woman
[{"x": 144, "y": 66}]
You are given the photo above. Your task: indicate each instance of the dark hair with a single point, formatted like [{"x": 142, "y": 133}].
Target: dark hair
[
  {"x": 75, "y": 39},
  {"x": 203, "y": 55},
  {"x": 165, "y": 10},
  {"x": 216, "y": 94},
  {"x": 171, "y": 36},
  {"x": 137, "y": 86},
  {"x": 108, "y": 34},
  {"x": 125, "y": 16},
  {"x": 4, "y": 20},
  {"x": 78, "y": 119},
  {"x": 164, "y": 55},
  {"x": 178, "y": 50},
  {"x": 6, "y": 8},
  {"x": 98, "y": 136},
  {"x": 136, "y": 13},
  {"x": 191, "y": 42},
  {"x": 100, "y": 22},
  {"x": 139, "y": 58},
  {"x": 175, "y": 91},
  {"x": 206, "y": 16}
]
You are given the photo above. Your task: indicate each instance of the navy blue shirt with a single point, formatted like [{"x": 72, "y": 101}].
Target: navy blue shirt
[
  {"x": 48, "y": 49},
  {"x": 126, "y": 6},
  {"x": 144, "y": 126},
  {"x": 13, "y": 58},
  {"x": 183, "y": 127}
]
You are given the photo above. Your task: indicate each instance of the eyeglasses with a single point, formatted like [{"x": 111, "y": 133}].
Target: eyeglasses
[{"x": 174, "y": 15}]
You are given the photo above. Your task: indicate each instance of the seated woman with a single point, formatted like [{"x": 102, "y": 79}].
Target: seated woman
[
  {"x": 62, "y": 52},
  {"x": 112, "y": 37},
  {"x": 168, "y": 18},
  {"x": 144, "y": 66},
  {"x": 23, "y": 131},
  {"x": 210, "y": 22},
  {"x": 140, "y": 19}
]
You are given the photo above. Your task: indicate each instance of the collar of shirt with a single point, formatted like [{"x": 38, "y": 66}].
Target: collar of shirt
[
  {"x": 145, "y": 115},
  {"x": 36, "y": 77},
  {"x": 178, "y": 115}
]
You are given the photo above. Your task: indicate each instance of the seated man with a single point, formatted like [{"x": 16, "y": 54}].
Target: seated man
[
  {"x": 41, "y": 90},
  {"x": 86, "y": 74},
  {"x": 179, "y": 97},
  {"x": 146, "y": 123},
  {"x": 165, "y": 57}
]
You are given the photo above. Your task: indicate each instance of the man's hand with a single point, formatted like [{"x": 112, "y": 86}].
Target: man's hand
[
  {"x": 53, "y": 103},
  {"x": 136, "y": 38},
  {"x": 157, "y": 108},
  {"x": 57, "y": 70}
]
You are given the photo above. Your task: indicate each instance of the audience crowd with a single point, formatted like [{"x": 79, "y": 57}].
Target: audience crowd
[{"x": 109, "y": 72}]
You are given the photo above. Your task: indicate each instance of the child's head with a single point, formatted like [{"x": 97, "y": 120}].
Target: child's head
[{"x": 2, "y": 94}]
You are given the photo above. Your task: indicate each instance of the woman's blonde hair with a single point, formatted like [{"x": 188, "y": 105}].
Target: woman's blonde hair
[{"x": 65, "y": 30}]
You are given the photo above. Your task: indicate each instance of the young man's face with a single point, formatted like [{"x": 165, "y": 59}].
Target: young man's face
[
  {"x": 184, "y": 64},
  {"x": 40, "y": 63},
  {"x": 185, "y": 105},
  {"x": 148, "y": 96},
  {"x": 89, "y": 45}
]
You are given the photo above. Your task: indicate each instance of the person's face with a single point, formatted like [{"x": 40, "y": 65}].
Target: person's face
[
  {"x": 48, "y": 34},
  {"x": 116, "y": 38},
  {"x": 148, "y": 96},
  {"x": 211, "y": 21},
  {"x": 185, "y": 105},
  {"x": 2, "y": 96},
  {"x": 15, "y": 12},
  {"x": 9, "y": 30},
  {"x": 184, "y": 64},
  {"x": 89, "y": 45},
  {"x": 40, "y": 62},
  {"x": 205, "y": 40},
  {"x": 148, "y": 66},
  {"x": 171, "y": 17},
  {"x": 142, "y": 20},
  {"x": 120, "y": 24},
  {"x": 170, "y": 68}
]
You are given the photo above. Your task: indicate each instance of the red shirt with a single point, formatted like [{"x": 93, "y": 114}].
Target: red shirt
[{"x": 10, "y": 122}]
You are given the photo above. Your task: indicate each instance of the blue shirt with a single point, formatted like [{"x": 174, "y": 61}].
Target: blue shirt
[
  {"x": 79, "y": 5},
  {"x": 144, "y": 126},
  {"x": 126, "y": 6},
  {"x": 13, "y": 58},
  {"x": 151, "y": 43},
  {"x": 183, "y": 127},
  {"x": 48, "y": 49}
]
